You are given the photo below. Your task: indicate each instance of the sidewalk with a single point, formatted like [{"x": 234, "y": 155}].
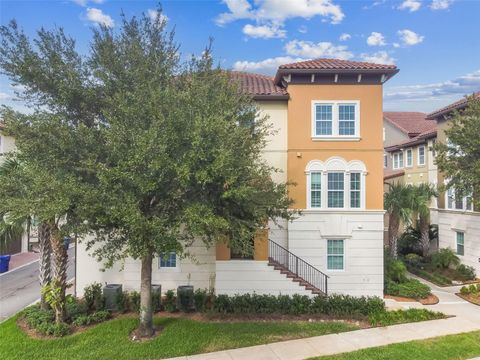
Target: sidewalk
[
  {"x": 22, "y": 259},
  {"x": 467, "y": 318}
]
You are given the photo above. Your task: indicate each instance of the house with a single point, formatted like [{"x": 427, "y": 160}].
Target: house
[
  {"x": 328, "y": 116},
  {"x": 458, "y": 219}
]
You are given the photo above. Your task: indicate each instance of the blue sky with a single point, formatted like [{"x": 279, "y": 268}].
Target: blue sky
[{"x": 435, "y": 43}]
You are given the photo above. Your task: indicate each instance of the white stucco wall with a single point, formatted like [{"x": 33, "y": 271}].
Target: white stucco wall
[
  {"x": 468, "y": 222},
  {"x": 363, "y": 234},
  {"x": 198, "y": 271},
  {"x": 249, "y": 276},
  {"x": 7, "y": 144},
  {"x": 275, "y": 152}
]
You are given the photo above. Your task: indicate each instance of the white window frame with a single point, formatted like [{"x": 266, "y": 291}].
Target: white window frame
[
  {"x": 343, "y": 255},
  {"x": 466, "y": 200},
  {"x": 424, "y": 155},
  {"x": 406, "y": 160},
  {"x": 456, "y": 242},
  {"x": 385, "y": 161},
  {"x": 336, "y": 165},
  {"x": 396, "y": 162},
  {"x": 335, "y": 136},
  {"x": 169, "y": 269}
]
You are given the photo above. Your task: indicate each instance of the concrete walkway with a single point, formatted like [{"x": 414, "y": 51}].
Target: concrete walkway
[{"x": 467, "y": 318}]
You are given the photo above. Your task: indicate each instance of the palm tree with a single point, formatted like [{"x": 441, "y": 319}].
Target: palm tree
[
  {"x": 422, "y": 198},
  {"x": 398, "y": 203}
]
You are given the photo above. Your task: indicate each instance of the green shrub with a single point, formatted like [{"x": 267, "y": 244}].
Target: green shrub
[
  {"x": 94, "y": 318},
  {"x": 395, "y": 270},
  {"x": 386, "y": 318},
  {"x": 409, "y": 242},
  {"x": 35, "y": 316},
  {"x": 413, "y": 259},
  {"x": 435, "y": 278},
  {"x": 445, "y": 259},
  {"x": 134, "y": 301},
  {"x": 122, "y": 301},
  {"x": 53, "y": 329},
  {"x": 200, "y": 299},
  {"x": 335, "y": 305},
  {"x": 465, "y": 290},
  {"x": 410, "y": 288},
  {"x": 94, "y": 297},
  {"x": 467, "y": 272},
  {"x": 169, "y": 301},
  {"x": 75, "y": 309},
  {"x": 472, "y": 289}
]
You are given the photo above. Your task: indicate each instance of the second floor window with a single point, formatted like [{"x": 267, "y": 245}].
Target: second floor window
[
  {"x": 398, "y": 160},
  {"x": 409, "y": 156},
  {"x": 335, "y": 119},
  {"x": 421, "y": 155}
]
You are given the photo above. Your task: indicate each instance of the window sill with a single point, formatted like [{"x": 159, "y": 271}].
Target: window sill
[
  {"x": 336, "y": 138},
  {"x": 169, "y": 269}
]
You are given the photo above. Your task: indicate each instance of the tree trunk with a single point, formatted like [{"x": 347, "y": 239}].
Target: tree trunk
[
  {"x": 424, "y": 225},
  {"x": 146, "y": 314},
  {"x": 393, "y": 226},
  {"x": 59, "y": 272},
  {"x": 45, "y": 247}
]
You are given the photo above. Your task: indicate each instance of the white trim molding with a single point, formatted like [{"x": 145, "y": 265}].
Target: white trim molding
[{"x": 336, "y": 164}]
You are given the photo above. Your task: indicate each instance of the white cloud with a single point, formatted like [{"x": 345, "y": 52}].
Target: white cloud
[
  {"x": 277, "y": 11},
  {"x": 264, "y": 31},
  {"x": 374, "y": 4},
  {"x": 344, "y": 37},
  {"x": 267, "y": 66},
  {"x": 85, "y": 2},
  {"x": 376, "y": 39},
  {"x": 410, "y": 5},
  {"x": 409, "y": 37},
  {"x": 5, "y": 96},
  {"x": 440, "y": 4},
  {"x": 379, "y": 57},
  {"x": 309, "y": 49},
  {"x": 302, "y": 29},
  {"x": 97, "y": 16},
  {"x": 463, "y": 85},
  {"x": 153, "y": 15}
]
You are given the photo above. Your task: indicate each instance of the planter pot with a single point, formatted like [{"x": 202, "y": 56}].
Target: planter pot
[{"x": 111, "y": 292}]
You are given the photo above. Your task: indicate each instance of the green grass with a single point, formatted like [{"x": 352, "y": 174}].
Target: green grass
[
  {"x": 452, "y": 347},
  {"x": 110, "y": 340}
]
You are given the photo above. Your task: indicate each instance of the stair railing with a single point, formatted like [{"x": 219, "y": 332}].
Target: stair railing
[{"x": 277, "y": 254}]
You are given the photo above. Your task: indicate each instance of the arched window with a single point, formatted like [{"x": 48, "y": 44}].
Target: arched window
[{"x": 336, "y": 184}]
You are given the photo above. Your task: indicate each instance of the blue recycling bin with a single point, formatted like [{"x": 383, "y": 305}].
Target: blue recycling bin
[{"x": 4, "y": 261}]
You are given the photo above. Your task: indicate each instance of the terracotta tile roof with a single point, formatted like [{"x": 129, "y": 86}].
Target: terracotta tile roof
[
  {"x": 411, "y": 123},
  {"x": 335, "y": 64},
  {"x": 258, "y": 85},
  {"x": 420, "y": 139},
  {"x": 390, "y": 174},
  {"x": 460, "y": 104}
]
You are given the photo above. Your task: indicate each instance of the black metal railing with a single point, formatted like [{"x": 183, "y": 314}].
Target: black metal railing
[{"x": 278, "y": 255}]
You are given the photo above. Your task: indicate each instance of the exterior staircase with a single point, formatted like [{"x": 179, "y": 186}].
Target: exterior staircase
[{"x": 297, "y": 269}]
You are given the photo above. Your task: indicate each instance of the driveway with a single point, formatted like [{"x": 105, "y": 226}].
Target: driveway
[{"x": 20, "y": 287}]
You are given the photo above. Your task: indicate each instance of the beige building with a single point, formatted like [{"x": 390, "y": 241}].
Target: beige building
[{"x": 458, "y": 220}]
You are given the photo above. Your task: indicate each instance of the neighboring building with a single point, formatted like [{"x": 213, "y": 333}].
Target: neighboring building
[
  {"x": 328, "y": 114},
  {"x": 7, "y": 143},
  {"x": 458, "y": 220}
]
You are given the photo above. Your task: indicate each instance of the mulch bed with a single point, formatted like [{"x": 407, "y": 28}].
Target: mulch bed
[
  {"x": 429, "y": 300},
  {"x": 474, "y": 299}
]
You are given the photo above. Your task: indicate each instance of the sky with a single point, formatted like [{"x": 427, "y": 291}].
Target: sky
[{"x": 434, "y": 43}]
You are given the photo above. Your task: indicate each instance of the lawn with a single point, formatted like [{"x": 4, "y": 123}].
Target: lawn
[
  {"x": 180, "y": 336},
  {"x": 452, "y": 347}
]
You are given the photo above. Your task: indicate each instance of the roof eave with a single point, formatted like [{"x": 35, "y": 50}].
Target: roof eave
[
  {"x": 268, "y": 97},
  {"x": 280, "y": 72}
]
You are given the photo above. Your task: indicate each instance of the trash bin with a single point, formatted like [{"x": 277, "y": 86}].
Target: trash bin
[
  {"x": 4, "y": 260},
  {"x": 156, "y": 296},
  {"x": 185, "y": 298},
  {"x": 66, "y": 242},
  {"x": 111, "y": 293}
]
